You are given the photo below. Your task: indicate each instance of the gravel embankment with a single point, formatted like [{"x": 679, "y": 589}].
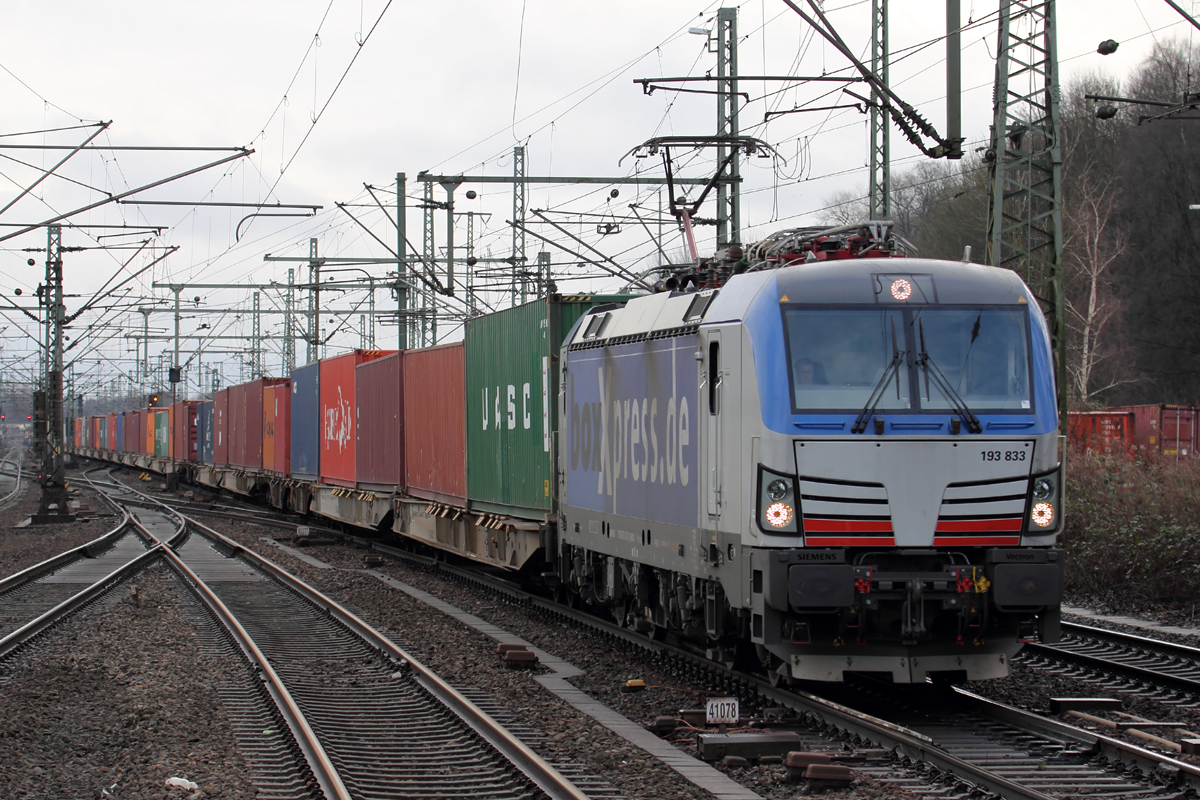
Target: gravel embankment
[
  {"x": 118, "y": 699},
  {"x": 21, "y": 548}
]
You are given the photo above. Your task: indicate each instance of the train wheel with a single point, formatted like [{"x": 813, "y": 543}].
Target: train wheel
[{"x": 774, "y": 676}]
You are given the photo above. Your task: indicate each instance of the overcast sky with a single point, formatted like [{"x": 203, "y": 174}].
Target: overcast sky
[{"x": 448, "y": 87}]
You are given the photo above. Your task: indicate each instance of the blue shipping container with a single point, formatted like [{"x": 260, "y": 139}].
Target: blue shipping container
[
  {"x": 204, "y": 431},
  {"x": 306, "y": 422}
]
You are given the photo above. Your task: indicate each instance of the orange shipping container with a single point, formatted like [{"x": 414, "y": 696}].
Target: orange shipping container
[
  {"x": 148, "y": 435},
  {"x": 277, "y": 440}
]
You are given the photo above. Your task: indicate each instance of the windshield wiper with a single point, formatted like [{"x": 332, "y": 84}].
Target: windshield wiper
[
  {"x": 958, "y": 405},
  {"x": 860, "y": 424}
]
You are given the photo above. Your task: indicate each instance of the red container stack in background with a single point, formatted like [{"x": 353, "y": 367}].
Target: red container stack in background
[
  {"x": 1164, "y": 433},
  {"x": 1108, "y": 433}
]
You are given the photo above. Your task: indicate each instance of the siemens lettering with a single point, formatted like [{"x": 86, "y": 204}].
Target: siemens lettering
[{"x": 629, "y": 428}]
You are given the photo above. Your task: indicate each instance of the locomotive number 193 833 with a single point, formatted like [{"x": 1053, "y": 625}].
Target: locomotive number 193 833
[{"x": 1003, "y": 455}]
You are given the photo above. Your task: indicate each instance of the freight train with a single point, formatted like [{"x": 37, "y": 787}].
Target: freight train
[{"x": 814, "y": 453}]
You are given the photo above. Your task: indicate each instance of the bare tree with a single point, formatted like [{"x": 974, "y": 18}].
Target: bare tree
[{"x": 1096, "y": 242}]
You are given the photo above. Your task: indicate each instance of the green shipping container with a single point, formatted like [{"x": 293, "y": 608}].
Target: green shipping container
[
  {"x": 512, "y": 403},
  {"x": 162, "y": 434}
]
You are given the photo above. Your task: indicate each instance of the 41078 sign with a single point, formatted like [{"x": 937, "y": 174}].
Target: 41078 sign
[{"x": 721, "y": 711}]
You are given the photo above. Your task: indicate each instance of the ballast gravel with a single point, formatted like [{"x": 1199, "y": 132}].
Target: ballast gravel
[
  {"x": 23, "y": 547},
  {"x": 113, "y": 702}
]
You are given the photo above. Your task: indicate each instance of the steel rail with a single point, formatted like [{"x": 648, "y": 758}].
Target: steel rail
[
  {"x": 1151, "y": 676},
  {"x": 1134, "y": 640},
  {"x": 1113, "y": 749},
  {"x": 322, "y": 766},
  {"x": 54, "y": 562},
  {"x": 32, "y": 628},
  {"x": 318, "y": 760},
  {"x": 533, "y": 766}
]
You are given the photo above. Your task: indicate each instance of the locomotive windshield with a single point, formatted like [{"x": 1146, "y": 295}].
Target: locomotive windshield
[{"x": 838, "y": 356}]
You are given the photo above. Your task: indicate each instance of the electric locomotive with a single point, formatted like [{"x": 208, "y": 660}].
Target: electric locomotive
[{"x": 823, "y": 455}]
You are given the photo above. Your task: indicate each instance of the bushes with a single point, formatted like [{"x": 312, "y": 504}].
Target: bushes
[{"x": 1132, "y": 530}]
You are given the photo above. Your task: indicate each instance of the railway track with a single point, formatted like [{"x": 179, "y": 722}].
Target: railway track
[
  {"x": 936, "y": 740},
  {"x": 1166, "y": 671},
  {"x": 370, "y": 720},
  {"x": 970, "y": 743}
]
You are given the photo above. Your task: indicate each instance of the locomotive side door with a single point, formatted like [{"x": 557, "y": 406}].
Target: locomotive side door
[{"x": 711, "y": 387}]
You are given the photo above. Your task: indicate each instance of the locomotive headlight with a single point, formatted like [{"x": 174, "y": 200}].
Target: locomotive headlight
[
  {"x": 778, "y": 489},
  {"x": 778, "y": 502},
  {"x": 1045, "y": 499},
  {"x": 779, "y": 515}
]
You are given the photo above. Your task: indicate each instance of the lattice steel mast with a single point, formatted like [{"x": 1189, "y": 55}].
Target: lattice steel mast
[{"x": 1025, "y": 212}]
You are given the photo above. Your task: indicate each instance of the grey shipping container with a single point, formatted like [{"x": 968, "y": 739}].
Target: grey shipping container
[
  {"x": 306, "y": 421},
  {"x": 204, "y": 431}
]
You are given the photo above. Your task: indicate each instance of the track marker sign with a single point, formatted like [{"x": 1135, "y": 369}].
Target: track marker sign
[{"x": 721, "y": 711}]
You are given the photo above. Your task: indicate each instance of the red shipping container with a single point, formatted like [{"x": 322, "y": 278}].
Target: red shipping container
[
  {"x": 110, "y": 436},
  {"x": 183, "y": 431},
  {"x": 94, "y": 434},
  {"x": 338, "y": 437},
  {"x": 435, "y": 415},
  {"x": 1163, "y": 432},
  {"x": 238, "y": 431},
  {"x": 78, "y": 431},
  {"x": 277, "y": 439},
  {"x": 379, "y": 423},
  {"x": 134, "y": 431},
  {"x": 221, "y": 428},
  {"x": 246, "y": 422},
  {"x": 1109, "y": 433}
]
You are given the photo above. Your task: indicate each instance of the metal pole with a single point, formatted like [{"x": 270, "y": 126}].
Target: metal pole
[
  {"x": 953, "y": 70},
  {"x": 880, "y": 189},
  {"x": 177, "y": 290},
  {"x": 470, "y": 279},
  {"x": 256, "y": 357},
  {"x": 146, "y": 346},
  {"x": 402, "y": 319},
  {"x": 543, "y": 260},
  {"x": 371, "y": 316},
  {"x": 728, "y": 198},
  {"x": 518, "y": 233},
  {"x": 289, "y": 325},
  {"x": 314, "y": 302},
  {"x": 450, "y": 186},
  {"x": 430, "y": 260}
]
